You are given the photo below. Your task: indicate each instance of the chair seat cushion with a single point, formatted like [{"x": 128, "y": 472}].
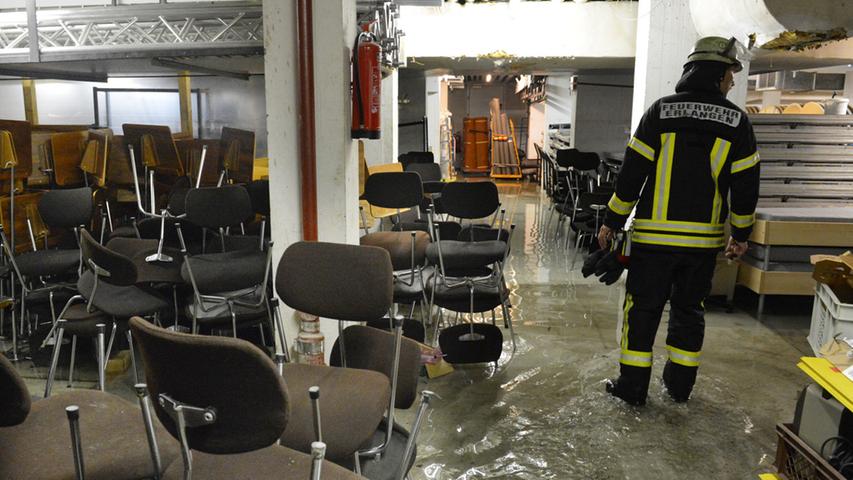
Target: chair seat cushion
[
  {"x": 80, "y": 322},
  {"x": 268, "y": 463},
  {"x": 352, "y": 404},
  {"x": 48, "y": 262},
  {"x": 137, "y": 249},
  {"x": 122, "y": 302},
  {"x": 458, "y": 298},
  {"x": 399, "y": 246},
  {"x": 406, "y": 293},
  {"x": 226, "y": 272},
  {"x": 463, "y": 255},
  {"x": 114, "y": 440}
]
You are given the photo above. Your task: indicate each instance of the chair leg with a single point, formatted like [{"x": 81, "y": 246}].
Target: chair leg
[
  {"x": 508, "y": 320},
  {"x": 60, "y": 329},
  {"x": 132, "y": 357},
  {"x": 101, "y": 362},
  {"x": 110, "y": 343},
  {"x": 73, "y": 357},
  {"x": 577, "y": 249}
]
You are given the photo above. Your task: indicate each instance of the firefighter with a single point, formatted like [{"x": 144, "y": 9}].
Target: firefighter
[{"x": 691, "y": 152}]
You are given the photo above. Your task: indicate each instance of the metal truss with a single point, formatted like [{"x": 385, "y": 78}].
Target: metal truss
[{"x": 222, "y": 28}]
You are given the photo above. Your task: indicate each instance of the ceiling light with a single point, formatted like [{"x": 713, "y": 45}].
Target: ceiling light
[{"x": 489, "y": 77}]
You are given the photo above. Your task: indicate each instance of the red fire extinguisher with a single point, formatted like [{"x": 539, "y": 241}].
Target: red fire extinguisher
[{"x": 366, "y": 85}]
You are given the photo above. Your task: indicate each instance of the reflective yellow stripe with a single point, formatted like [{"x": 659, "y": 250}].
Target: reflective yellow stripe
[
  {"x": 745, "y": 163},
  {"x": 635, "y": 358},
  {"x": 683, "y": 357},
  {"x": 677, "y": 240},
  {"x": 718, "y": 158},
  {"x": 679, "y": 227},
  {"x": 742, "y": 221},
  {"x": 638, "y": 146},
  {"x": 620, "y": 206},
  {"x": 662, "y": 178},
  {"x": 629, "y": 302}
]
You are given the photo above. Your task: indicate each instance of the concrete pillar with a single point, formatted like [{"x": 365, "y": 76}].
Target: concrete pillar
[
  {"x": 337, "y": 168},
  {"x": 385, "y": 150},
  {"x": 848, "y": 85},
  {"x": 337, "y": 160},
  {"x": 433, "y": 114},
  {"x": 665, "y": 36}
]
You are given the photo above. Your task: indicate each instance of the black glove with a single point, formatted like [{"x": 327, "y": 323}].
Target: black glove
[
  {"x": 589, "y": 265},
  {"x": 609, "y": 268}
]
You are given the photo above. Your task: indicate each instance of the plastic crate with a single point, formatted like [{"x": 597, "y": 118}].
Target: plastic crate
[
  {"x": 829, "y": 317},
  {"x": 795, "y": 460}
]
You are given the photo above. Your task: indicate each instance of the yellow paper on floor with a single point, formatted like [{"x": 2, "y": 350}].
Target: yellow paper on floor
[{"x": 439, "y": 369}]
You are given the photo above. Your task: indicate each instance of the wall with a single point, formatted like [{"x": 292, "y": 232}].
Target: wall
[
  {"x": 603, "y": 114},
  {"x": 412, "y": 92},
  {"x": 536, "y": 128},
  {"x": 559, "y": 102}
]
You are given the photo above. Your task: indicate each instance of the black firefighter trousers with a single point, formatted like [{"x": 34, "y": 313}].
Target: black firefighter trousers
[{"x": 655, "y": 276}]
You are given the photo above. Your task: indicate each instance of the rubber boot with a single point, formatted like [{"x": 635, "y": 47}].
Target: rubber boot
[
  {"x": 679, "y": 381},
  {"x": 632, "y": 386}
]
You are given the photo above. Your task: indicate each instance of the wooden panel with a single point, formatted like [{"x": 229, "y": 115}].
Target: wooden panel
[
  {"x": 190, "y": 152},
  {"x": 22, "y": 137},
  {"x": 775, "y": 283},
  {"x": 814, "y": 234},
  {"x": 22, "y": 203},
  {"x": 119, "y": 172},
  {"x": 237, "y": 149},
  {"x": 40, "y": 158},
  {"x": 98, "y": 171},
  {"x": 165, "y": 152},
  {"x": 66, "y": 152}
]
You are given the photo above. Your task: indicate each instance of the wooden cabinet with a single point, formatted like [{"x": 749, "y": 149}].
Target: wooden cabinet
[{"x": 475, "y": 150}]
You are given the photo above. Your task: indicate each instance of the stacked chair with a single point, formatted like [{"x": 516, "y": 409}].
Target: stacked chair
[
  {"x": 469, "y": 273},
  {"x": 407, "y": 249},
  {"x": 317, "y": 278},
  {"x": 115, "y": 440}
]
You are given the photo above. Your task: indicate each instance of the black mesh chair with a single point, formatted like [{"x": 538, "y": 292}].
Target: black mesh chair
[
  {"x": 229, "y": 286},
  {"x": 317, "y": 278},
  {"x": 224, "y": 400},
  {"x": 44, "y": 274},
  {"x": 118, "y": 440},
  {"x": 109, "y": 293}
]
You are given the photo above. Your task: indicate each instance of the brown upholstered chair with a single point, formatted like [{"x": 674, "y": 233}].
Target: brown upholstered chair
[
  {"x": 227, "y": 405},
  {"x": 35, "y": 442},
  {"x": 317, "y": 278}
]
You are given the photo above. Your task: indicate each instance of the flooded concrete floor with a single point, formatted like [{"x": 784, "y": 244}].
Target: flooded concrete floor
[{"x": 543, "y": 414}]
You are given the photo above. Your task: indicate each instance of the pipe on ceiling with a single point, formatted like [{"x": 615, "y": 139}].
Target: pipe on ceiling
[{"x": 307, "y": 130}]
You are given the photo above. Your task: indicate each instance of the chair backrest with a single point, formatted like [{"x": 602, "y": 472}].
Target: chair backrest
[
  {"x": 369, "y": 348},
  {"x": 567, "y": 157},
  {"x": 120, "y": 269},
  {"x": 587, "y": 161},
  {"x": 342, "y": 282},
  {"x": 214, "y": 207},
  {"x": 230, "y": 375},
  {"x": 66, "y": 208},
  {"x": 429, "y": 172},
  {"x": 415, "y": 157},
  {"x": 14, "y": 396},
  {"x": 470, "y": 200},
  {"x": 259, "y": 194},
  {"x": 480, "y": 233},
  {"x": 393, "y": 190}
]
